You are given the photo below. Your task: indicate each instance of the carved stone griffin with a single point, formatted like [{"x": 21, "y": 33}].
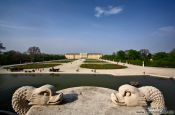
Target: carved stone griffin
[
  {"x": 128, "y": 95},
  {"x": 27, "y": 96}
]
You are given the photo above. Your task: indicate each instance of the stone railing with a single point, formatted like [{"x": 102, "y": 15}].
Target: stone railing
[{"x": 128, "y": 100}]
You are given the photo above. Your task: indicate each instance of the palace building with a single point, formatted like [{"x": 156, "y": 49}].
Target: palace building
[{"x": 83, "y": 55}]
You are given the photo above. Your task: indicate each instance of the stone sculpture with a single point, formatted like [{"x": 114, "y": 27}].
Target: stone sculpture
[
  {"x": 27, "y": 96},
  {"x": 128, "y": 95}
]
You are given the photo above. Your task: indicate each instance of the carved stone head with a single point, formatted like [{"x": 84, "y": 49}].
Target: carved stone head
[
  {"x": 45, "y": 95},
  {"x": 128, "y": 95},
  {"x": 27, "y": 96}
]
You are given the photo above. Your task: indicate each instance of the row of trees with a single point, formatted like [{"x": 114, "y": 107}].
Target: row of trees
[
  {"x": 33, "y": 54},
  {"x": 122, "y": 56},
  {"x": 160, "y": 59}
]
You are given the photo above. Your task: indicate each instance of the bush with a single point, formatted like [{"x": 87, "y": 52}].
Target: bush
[
  {"x": 102, "y": 66},
  {"x": 162, "y": 63},
  {"x": 32, "y": 66},
  {"x": 136, "y": 62}
]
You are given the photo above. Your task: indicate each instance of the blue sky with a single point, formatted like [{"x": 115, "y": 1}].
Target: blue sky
[{"x": 104, "y": 26}]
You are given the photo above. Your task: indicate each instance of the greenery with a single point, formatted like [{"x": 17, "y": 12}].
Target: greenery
[
  {"x": 61, "y": 61},
  {"x": 93, "y": 61},
  {"x": 1, "y": 47},
  {"x": 34, "y": 55},
  {"x": 159, "y": 59},
  {"x": 33, "y": 66},
  {"x": 102, "y": 66}
]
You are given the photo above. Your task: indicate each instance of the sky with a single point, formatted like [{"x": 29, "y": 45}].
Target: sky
[{"x": 94, "y": 26}]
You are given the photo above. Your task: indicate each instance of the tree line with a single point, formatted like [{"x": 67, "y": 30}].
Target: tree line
[
  {"x": 33, "y": 54},
  {"x": 159, "y": 59}
]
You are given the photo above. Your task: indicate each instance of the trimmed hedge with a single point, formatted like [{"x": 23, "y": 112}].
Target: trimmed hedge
[
  {"x": 154, "y": 63},
  {"x": 33, "y": 66},
  {"x": 94, "y": 61},
  {"x": 162, "y": 63},
  {"x": 102, "y": 66},
  {"x": 136, "y": 62}
]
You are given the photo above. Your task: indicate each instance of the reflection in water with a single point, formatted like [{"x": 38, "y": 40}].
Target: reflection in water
[{"x": 9, "y": 83}]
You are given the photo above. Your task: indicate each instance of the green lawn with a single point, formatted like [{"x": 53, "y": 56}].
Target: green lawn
[
  {"x": 33, "y": 66},
  {"x": 102, "y": 66},
  {"x": 93, "y": 61},
  {"x": 60, "y": 61}
]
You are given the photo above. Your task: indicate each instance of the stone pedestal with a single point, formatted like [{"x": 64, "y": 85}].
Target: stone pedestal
[{"x": 86, "y": 101}]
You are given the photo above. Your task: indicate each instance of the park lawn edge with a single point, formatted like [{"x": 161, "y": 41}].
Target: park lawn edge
[
  {"x": 32, "y": 66},
  {"x": 102, "y": 66}
]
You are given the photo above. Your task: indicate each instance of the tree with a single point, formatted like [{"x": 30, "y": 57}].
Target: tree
[
  {"x": 121, "y": 55},
  {"x": 113, "y": 53},
  {"x": 11, "y": 57},
  {"x": 160, "y": 55},
  {"x": 133, "y": 54},
  {"x": 145, "y": 54},
  {"x": 1, "y": 47},
  {"x": 34, "y": 51},
  {"x": 173, "y": 50}
]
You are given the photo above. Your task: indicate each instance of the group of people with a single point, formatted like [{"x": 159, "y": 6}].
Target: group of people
[{"x": 54, "y": 70}]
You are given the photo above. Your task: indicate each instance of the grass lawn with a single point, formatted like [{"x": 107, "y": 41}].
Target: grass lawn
[
  {"x": 93, "y": 61},
  {"x": 61, "y": 61},
  {"x": 102, "y": 66},
  {"x": 33, "y": 66}
]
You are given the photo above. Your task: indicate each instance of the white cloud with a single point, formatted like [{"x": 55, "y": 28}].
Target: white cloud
[
  {"x": 9, "y": 26},
  {"x": 106, "y": 11},
  {"x": 166, "y": 31}
]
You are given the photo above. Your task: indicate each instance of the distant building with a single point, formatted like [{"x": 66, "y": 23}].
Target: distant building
[{"x": 83, "y": 55}]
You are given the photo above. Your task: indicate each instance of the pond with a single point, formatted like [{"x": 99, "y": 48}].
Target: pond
[{"x": 9, "y": 83}]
